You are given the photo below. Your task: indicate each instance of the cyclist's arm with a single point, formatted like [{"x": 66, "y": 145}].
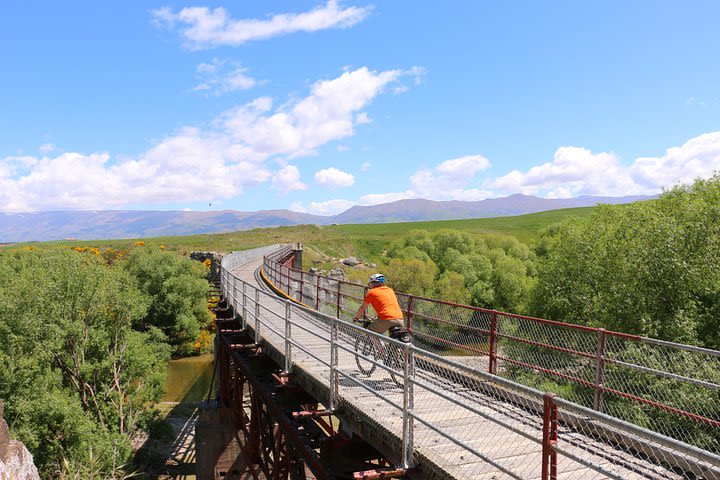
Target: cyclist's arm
[{"x": 361, "y": 311}]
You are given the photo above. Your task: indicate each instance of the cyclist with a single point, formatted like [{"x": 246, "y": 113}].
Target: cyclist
[{"x": 385, "y": 303}]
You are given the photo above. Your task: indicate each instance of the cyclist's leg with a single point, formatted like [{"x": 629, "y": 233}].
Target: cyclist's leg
[{"x": 382, "y": 326}]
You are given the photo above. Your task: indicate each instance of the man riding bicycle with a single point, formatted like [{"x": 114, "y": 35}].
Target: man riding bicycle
[{"x": 385, "y": 303}]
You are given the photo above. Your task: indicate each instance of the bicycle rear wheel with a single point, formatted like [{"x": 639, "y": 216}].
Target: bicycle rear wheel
[
  {"x": 365, "y": 350},
  {"x": 394, "y": 360}
]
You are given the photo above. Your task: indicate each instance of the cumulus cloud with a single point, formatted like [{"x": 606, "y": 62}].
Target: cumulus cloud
[
  {"x": 221, "y": 76},
  {"x": 330, "y": 207},
  {"x": 327, "y": 114},
  {"x": 332, "y": 177},
  {"x": 225, "y": 158},
  {"x": 203, "y": 27},
  {"x": 578, "y": 171},
  {"x": 287, "y": 179},
  {"x": 450, "y": 179},
  {"x": 378, "y": 198},
  {"x": 185, "y": 167},
  {"x": 698, "y": 157}
]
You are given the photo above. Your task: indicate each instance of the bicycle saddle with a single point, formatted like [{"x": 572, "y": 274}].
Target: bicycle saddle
[{"x": 399, "y": 333}]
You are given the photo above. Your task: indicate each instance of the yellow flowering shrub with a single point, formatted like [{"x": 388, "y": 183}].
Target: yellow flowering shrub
[{"x": 203, "y": 342}]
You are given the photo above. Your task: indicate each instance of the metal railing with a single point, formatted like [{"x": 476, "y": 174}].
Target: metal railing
[
  {"x": 666, "y": 387},
  {"x": 506, "y": 427}
]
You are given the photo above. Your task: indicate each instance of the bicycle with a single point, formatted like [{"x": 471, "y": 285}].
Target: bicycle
[{"x": 370, "y": 351}]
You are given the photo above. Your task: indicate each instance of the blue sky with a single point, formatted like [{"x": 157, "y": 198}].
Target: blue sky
[{"x": 319, "y": 105}]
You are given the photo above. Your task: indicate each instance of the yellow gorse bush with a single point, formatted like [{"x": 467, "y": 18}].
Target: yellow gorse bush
[{"x": 203, "y": 342}]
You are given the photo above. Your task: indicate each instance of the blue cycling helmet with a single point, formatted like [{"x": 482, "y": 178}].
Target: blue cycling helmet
[{"x": 377, "y": 278}]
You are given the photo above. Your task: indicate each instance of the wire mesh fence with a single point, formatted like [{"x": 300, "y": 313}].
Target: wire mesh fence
[{"x": 668, "y": 388}]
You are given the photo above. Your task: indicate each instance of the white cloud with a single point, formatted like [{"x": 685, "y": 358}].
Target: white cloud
[
  {"x": 450, "y": 179},
  {"x": 298, "y": 128},
  {"x": 47, "y": 148},
  {"x": 378, "y": 198},
  {"x": 416, "y": 73},
  {"x": 330, "y": 207},
  {"x": 208, "y": 28},
  {"x": 463, "y": 167},
  {"x": 366, "y": 166},
  {"x": 287, "y": 179},
  {"x": 221, "y": 76},
  {"x": 698, "y": 157},
  {"x": 342, "y": 148},
  {"x": 332, "y": 177},
  {"x": 577, "y": 171},
  {"x": 185, "y": 167},
  {"x": 362, "y": 118},
  {"x": 447, "y": 181},
  {"x": 226, "y": 158}
]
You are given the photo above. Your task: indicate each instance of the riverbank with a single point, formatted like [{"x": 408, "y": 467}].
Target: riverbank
[{"x": 168, "y": 450}]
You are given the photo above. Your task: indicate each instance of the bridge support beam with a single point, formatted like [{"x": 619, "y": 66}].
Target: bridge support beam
[{"x": 252, "y": 430}]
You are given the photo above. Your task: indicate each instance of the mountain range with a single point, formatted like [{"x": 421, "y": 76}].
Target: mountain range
[{"x": 111, "y": 224}]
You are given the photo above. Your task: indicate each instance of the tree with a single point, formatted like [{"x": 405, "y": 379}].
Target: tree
[
  {"x": 412, "y": 276},
  {"x": 177, "y": 290},
  {"x": 73, "y": 372},
  {"x": 649, "y": 268}
]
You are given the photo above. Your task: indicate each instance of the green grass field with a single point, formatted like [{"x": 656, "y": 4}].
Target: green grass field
[{"x": 364, "y": 240}]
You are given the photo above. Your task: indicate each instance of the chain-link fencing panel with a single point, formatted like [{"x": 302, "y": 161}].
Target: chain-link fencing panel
[
  {"x": 674, "y": 390},
  {"x": 477, "y": 428},
  {"x": 549, "y": 356},
  {"x": 606, "y": 447},
  {"x": 352, "y": 296}
]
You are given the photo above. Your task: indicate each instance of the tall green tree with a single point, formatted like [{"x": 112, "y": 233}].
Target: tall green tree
[{"x": 177, "y": 291}]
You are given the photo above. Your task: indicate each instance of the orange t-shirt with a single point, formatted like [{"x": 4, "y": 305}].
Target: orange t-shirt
[{"x": 384, "y": 302}]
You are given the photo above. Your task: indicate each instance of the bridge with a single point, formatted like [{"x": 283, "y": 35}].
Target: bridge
[{"x": 305, "y": 396}]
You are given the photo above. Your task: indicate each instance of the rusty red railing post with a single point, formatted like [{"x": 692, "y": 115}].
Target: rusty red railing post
[
  {"x": 550, "y": 438},
  {"x": 599, "y": 371},
  {"x": 408, "y": 320},
  {"x": 301, "y": 286},
  {"x": 317, "y": 292},
  {"x": 338, "y": 298},
  {"x": 492, "y": 367}
]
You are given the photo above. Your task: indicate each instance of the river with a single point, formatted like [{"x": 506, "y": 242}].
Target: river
[{"x": 188, "y": 379}]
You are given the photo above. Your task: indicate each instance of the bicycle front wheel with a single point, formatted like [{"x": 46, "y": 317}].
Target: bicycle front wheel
[{"x": 365, "y": 352}]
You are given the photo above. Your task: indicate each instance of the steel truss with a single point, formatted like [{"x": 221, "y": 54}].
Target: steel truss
[{"x": 282, "y": 431}]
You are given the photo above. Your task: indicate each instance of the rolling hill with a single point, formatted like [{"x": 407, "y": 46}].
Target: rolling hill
[{"x": 115, "y": 224}]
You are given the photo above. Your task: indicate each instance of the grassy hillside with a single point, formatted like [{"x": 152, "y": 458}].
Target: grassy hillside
[{"x": 366, "y": 240}]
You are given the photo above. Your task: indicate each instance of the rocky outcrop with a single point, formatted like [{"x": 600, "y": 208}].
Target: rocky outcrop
[
  {"x": 214, "y": 257},
  {"x": 16, "y": 462}
]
